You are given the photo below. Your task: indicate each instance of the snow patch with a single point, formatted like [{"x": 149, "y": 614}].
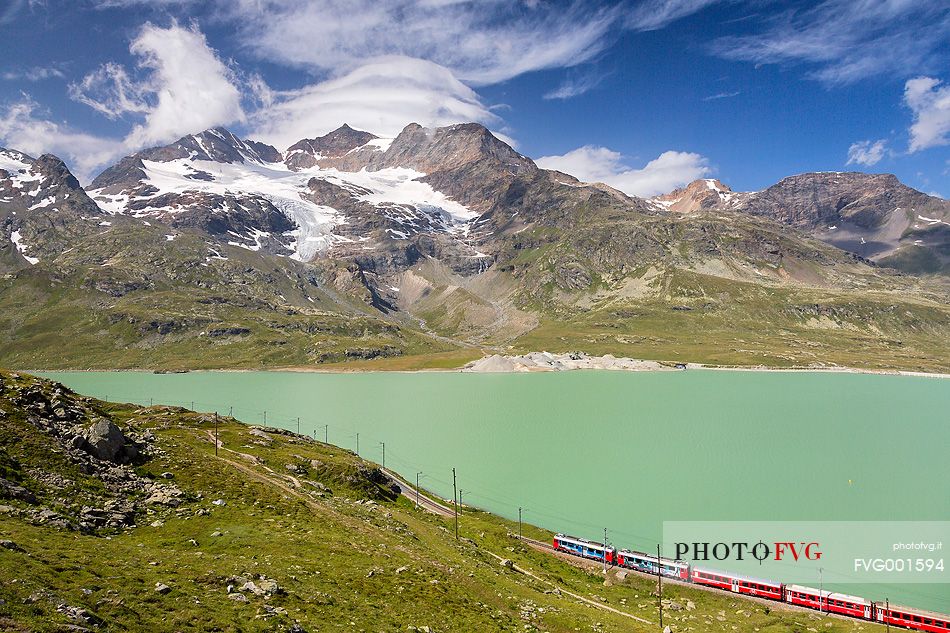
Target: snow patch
[
  {"x": 45, "y": 202},
  {"x": 21, "y": 247}
]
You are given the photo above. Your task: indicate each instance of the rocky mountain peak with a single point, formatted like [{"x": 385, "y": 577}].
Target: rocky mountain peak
[
  {"x": 217, "y": 144},
  {"x": 436, "y": 149},
  {"x": 705, "y": 193},
  {"x": 334, "y": 145}
]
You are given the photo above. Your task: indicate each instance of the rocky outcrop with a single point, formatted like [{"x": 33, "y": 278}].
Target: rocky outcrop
[
  {"x": 874, "y": 216},
  {"x": 71, "y": 428},
  {"x": 546, "y": 361},
  {"x": 43, "y": 209}
]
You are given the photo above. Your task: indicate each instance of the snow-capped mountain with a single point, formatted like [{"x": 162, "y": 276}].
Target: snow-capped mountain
[
  {"x": 706, "y": 193},
  {"x": 333, "y": 191},
  {"x": 42, "y": 207}
]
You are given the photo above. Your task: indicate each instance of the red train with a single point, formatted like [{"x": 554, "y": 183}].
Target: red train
[{"x": 826, "y": 601}]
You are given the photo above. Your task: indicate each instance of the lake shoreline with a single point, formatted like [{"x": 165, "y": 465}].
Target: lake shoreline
[{"x": 596, "y": 363}]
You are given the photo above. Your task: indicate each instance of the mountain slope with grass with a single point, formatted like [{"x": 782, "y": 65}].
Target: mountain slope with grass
[
  {"x": 115, "y": 517},
  {"x": 221, "y": 252}
]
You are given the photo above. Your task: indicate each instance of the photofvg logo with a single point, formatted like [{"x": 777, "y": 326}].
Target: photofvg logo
[
  {"x": 739, "y": 550},
  {"x": 814, "y": 551}
]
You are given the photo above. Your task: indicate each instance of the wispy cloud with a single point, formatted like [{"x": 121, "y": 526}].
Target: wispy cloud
[
  {"x": 848, "y": 40},
  {"x": 929, "y": 100},
  {"x": 35, "y": 73},
  {"x": 480, "y": 42},
  {"x": 722, "y": 95},
  {"x": 652, "y": 15},
  {"x": 576, "y": 83},
  {"x": 669, "y": 170},
  {"x": 25, "y": 126},
  {"x": 866, "y": 153}
]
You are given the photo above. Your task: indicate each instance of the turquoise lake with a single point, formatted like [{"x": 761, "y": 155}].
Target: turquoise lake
[{"x": 579, "y": 451}]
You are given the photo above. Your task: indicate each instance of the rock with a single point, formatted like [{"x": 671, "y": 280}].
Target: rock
[
  {"x": 667, "y": 629},
  {"x": 162, "y": 588},
  {"x": 192, "y": 541},
  {"x": 507, "y": 563},
  {"x": 10, "y": 545},
  {"x": 250, "y": 586},
  {"x": 621, "y": 575},
  {"x": 237, "y": 597},
  {"x": 167, "y": 475},
  {"x": 690, "y": 605},
  {"x": 104, "y": 440},
  {"x": 11, "y": 490},
  {"x": 219, "y": 502},
  {"x": 402, "y": 569},
  {"x": 269, "y": 586}
]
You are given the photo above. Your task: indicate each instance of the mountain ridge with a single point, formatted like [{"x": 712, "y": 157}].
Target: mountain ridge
[{"x": 434, "y": 240}]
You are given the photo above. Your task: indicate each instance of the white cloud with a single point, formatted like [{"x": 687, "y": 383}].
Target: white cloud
[
  {"x": 849, "y": 40},
  {"x": 110, "y": 91},
  {"x": 576, "y": 84},
  {"x": 381, "y": 97},
  {"x": 25, "y": 128},
  {"x": 866, "y": 152},
  {"x": 35, "y": 73},
  {"x": 929, "y": 100},
  {"x": 482, "y": 42},
  {"x": 182, "y": 87},
  {"x": 669, "y": 170},
  {"x": 652, "y": 15},
  {"x": 722, "y": 95}
]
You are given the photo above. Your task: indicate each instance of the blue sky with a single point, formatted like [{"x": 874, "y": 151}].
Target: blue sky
[{"x": 643, "y": 94}]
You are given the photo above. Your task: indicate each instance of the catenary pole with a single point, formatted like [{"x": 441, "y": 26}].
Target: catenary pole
[
  {"x": 605, "y": 551},
  {"x": 417, "y": 488},
  {"x": 455, "y": 503},
  {"x": 215, "y": 433},
  {"x": 519, "y": 524},
  {"x": 659, "y": 584}
]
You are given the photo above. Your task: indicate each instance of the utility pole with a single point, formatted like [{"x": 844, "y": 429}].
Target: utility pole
[
  {"x": 887, "y": 614},
  {"x": 150, "y": 402},
  {"x": 326, "y": 433},
  {"x": 821, "y": 592},
  {"x": 215, "y": 433},
  {"x": 383, "y": 444},
  {"x": 659, "y": 584},
  {"x": 357, "y": 443},
  {"x": 265, "y": 418},
  {"x": 455, "y": 495},
  {"x": 192, "y": 405},
  {"x": 605, "y": 551},
  {"x": 231, "y": 411},
  {"x": 460, "y": 501},
  {"x": 519, "y": 524},
  {"x": 298, "y": 426},
  {"x": 417, "y": 488}
]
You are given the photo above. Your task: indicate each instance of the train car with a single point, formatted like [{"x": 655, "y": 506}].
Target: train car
[
  {"x": 738, "y": 584},
  {"x": 829, "y": 602},
  {"x": 647, "y": 563},
  {"x": 585, "y": 548},
  {"x": 915, "y": 619}
]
